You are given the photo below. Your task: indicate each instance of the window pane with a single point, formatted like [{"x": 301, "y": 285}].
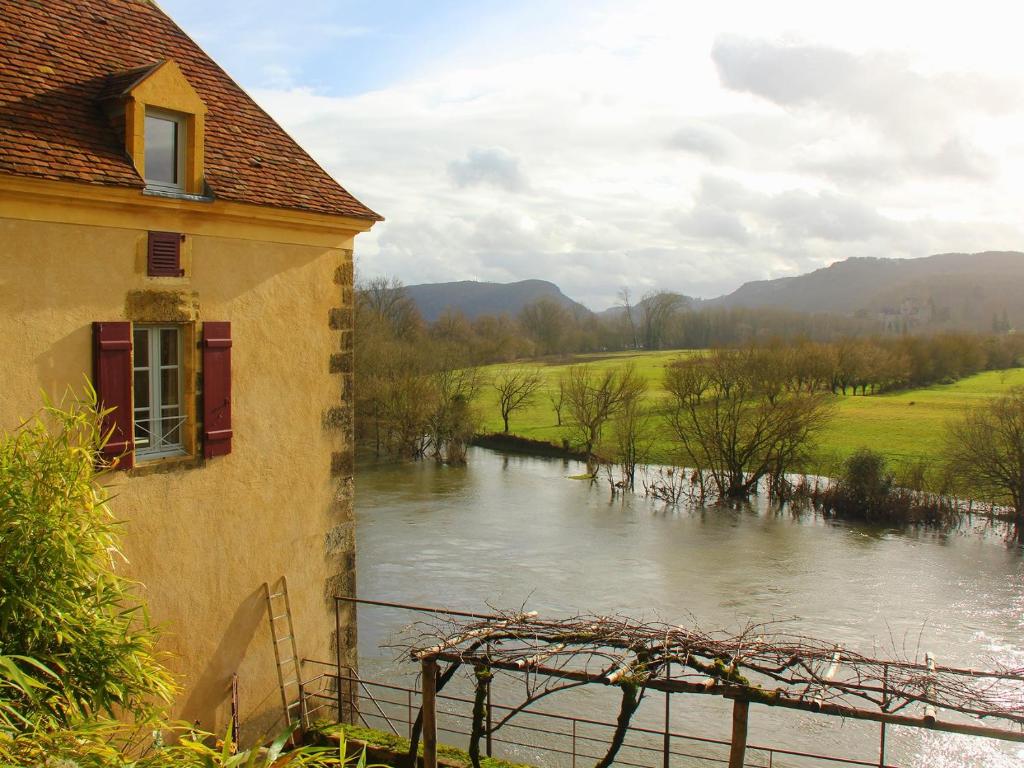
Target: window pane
[
  {"x": 168, "y": 346},
  {"x": 171, "y": 427},
  {"x": 169, "y": 387},
  {"x": 141, "y": 348},
  {"x": 161, "y": 150},
  {"x": 141, "y": 384}
]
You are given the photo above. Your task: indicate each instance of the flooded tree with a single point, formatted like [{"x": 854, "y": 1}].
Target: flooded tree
[
  {"x": 986, "y": 452},
  {"x": 736, "y": 424},
  {"x": 632, "y": 438},
  {"x": 452, "y": 421},
  {"x": 593, "y": 396}
]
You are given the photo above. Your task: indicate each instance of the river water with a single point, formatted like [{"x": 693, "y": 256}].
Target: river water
[{"x": 509, "y": 530}]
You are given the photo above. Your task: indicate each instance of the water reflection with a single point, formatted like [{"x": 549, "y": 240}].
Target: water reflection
[{"x": 507, "y": 530}]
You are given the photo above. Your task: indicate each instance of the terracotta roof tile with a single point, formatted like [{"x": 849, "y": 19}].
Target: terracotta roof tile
[
  {"x": 120, "y": 83},
  {"x": 60, "y": 57}
]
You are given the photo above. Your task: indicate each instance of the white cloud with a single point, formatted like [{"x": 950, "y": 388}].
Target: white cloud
[
  {"x": 495, "y": 166},
  {"x": 709, "y": 141},
  {"x": 654, "y": 149},
  {"x": 877, "y": 86}
]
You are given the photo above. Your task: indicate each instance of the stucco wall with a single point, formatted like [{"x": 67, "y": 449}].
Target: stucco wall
[{"x": 203, "y": 537}]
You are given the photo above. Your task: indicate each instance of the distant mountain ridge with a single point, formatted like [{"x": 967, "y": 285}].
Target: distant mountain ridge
[
  {"x": 855, "y": 283},
  {"x": 947, "y": 291},
  {"x": 475, "y": 298}
]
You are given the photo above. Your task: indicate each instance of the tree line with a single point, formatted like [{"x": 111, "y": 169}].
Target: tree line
[
  {"x": 548, "y": 328},
  {"x": 663, "y": 321}
]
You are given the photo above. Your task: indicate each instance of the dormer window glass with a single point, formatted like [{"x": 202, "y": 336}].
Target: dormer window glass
[{"x": 165, "y": 151}]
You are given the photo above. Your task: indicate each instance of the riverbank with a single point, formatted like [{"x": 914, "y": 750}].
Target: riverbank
[{"x": 510, "y": 443}]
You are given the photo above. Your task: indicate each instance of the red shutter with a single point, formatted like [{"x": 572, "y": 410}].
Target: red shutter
[
  {"x": 112, "y": 377},
  {"x": 216, "y": 389},
  {"x": 163, "y": 256}
]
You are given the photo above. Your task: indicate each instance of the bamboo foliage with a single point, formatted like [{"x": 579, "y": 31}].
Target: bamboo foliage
[{"x": 68, "y": 618}]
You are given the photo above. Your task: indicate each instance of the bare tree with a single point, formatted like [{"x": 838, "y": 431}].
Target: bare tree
[
  {"x": 593, "y": 396},
  {"x": 452, "y": 423},
  {"x": 387, "y": 299},
  {"x": 986, "y": 452},
  {"x": 657, "y": 310},
  {"x": 547, "y": 322},
  {"x": 627, "y": 308},
  {"x": 516, "y": 389},
  {"x": 393, "y": 392},
  {"x": 730, "y": 423},
  {"x": 556, "y": 396},
  {"x": 631, "y": 431}
]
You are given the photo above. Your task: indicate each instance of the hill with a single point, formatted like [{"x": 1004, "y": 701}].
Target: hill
[
  {"x": 475, "y": 298},
  {"x": 950, "y": 290}
]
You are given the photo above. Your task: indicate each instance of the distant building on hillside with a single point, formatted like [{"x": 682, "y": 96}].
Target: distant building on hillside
[
  {"x": 908, "y": 316},
  {"x": 163, "y": 235}
]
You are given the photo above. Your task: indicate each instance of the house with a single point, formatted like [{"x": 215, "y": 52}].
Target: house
[{"x": 162, "y": 235}]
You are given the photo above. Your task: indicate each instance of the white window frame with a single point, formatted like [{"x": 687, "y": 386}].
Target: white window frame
[
  {"x": 160, "y": 425},
  {"x": 182, "y": 142}
]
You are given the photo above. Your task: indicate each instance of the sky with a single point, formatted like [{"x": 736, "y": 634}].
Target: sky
[{"x": 674, "y": 146}]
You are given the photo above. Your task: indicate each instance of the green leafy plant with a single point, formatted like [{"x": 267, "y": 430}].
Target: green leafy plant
[
  {"x": 65, "y": 611},
  {"x": 116, "y": 744}
]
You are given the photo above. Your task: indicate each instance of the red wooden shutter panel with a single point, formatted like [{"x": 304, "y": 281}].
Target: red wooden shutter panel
[
  {"x": 216, "y": 389},
  {"x": 112, "y": 377},
  {"x": 163, "y": 256}
]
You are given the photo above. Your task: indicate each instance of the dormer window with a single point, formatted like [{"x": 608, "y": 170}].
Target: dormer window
[
  {"x": 164, "y": 123},
  {"x": 165, "y": 143}
]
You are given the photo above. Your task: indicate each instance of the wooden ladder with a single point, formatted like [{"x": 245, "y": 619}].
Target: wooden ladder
[{"x": 286, "y": 655}]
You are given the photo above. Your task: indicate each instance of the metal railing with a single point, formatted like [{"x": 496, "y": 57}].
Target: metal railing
[
  {"x": 147, "y": 441},
  {"x": 567, "y": 738}
]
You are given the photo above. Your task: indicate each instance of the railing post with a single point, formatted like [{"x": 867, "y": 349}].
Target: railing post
[
  {"x": 488, "y": 746},
  {"x": 429, "y": 667},
  {"x": 337, "y": 657},
  {"x": 353, "y": 698},
  {"x": 408, "y": 704},
  {"x": 885, "y": 702},
  {"x": 665, "y": 759},
  {"x": 574, "y": 742},
  {"x": 738, "y": 750},
  {"x": 235, "y": 727}
]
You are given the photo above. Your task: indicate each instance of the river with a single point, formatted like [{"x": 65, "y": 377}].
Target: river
[{"x": 510, "y": 530}]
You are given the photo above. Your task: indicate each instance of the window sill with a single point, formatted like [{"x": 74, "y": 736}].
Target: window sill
[
  {"x": 172, "y": 195},
  {"x": 164, "y": 464}
]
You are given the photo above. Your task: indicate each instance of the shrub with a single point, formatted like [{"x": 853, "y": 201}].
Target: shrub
[
  {"x": 867, "y": 491},
  {"x": 62, "y": 602}
]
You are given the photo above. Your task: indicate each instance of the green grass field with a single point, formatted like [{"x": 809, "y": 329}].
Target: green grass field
[{"x": 906, "y": 426}]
